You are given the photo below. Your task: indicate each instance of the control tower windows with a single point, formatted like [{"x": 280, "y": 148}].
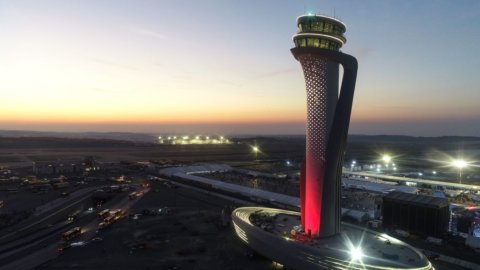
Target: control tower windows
[
  {"x": 302, "y": 42},
  {"x": 316, "y": 42},
  {"x": 317, "y": 26}
]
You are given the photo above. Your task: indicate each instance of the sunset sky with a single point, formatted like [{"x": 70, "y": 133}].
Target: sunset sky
[{"x": 225, "y": 66}]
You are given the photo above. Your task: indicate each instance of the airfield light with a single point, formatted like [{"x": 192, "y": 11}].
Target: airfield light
[
  {"x": 352, "y": 165},
  {"x": 386, "y": 158}
]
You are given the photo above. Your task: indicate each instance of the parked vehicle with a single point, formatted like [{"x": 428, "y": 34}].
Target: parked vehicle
[
  {"x": 72, "y": 233},
  {"x": 103, "y": 214}
]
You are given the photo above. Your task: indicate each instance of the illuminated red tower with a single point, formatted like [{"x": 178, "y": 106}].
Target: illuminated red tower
[{"x": 317, "y": 45}]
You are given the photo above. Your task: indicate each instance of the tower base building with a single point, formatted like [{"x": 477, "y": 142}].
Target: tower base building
[{"x": 264, "y": 231}]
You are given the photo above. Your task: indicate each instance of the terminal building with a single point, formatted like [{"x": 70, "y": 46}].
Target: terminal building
[{"x": 418, "y": 214}]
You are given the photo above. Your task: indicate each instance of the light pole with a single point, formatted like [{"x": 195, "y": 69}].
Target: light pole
[
  {"x": 255, "y": 150},
  {"x": 459, "y": 164}
]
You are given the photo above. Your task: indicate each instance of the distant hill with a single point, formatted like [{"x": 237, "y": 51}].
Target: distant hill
[
  {"x": 150, "y": 138},
  {"x": 121, "y": 136},
  {"x": 53, "y": 142},
  {"x": 374, "y": 139},
  {"x": 398, "y": 139}
]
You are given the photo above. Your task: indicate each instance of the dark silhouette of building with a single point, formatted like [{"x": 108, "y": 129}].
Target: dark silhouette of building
[
  {"x": 418, "y": 214},
  {"x": 317, "y": 45}
]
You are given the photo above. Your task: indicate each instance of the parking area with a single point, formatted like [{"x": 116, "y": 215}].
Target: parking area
[{"x": 192, "y": 233}]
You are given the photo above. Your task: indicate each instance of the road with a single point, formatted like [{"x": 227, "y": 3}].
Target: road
[
  {"x": 43, "y": 247},
  {"x": 45, "y": 213}
]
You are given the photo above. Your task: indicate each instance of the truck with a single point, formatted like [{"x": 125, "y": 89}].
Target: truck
[
  {"x": 103, "y": 214},
  {"x": 434, "y": 240},
  {"x": 116, "y": 213},
  {"x": 132, "y": 196},
  {"x": 109, "y": 220},
  {"x": 72, "y": 233}
]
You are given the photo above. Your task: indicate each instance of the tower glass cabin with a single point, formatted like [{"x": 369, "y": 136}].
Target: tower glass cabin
[{"x": 320, "y": 32}]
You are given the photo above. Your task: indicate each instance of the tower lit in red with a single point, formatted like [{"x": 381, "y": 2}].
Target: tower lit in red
[
  {"x": 317, "y": 45},
  {"x": 264, "y": 230}
]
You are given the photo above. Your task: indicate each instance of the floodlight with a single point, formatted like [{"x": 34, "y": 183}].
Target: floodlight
[{"x": 356, "y": 253}]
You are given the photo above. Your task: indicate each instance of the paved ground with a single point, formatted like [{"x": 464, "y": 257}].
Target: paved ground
[{"x": 191, "y": 237}]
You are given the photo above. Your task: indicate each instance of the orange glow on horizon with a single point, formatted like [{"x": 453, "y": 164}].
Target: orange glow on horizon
[{"x": 225, "y": 118}]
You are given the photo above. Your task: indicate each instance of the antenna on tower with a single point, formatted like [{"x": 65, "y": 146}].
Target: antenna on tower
[{"x": 334, "y": 12}]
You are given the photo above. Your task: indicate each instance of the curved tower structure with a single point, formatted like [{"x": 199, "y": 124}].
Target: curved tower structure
[
  {"x": 323, "y": 242},
  {"x": 317, "y": 46}
]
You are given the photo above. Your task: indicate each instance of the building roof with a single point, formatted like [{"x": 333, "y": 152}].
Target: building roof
[
  {"x": 419, "y": 200},
  {"x": 245, "y": 191},
  {"x": 379, "y": 186},
  {"x": 399, "y": 179}
]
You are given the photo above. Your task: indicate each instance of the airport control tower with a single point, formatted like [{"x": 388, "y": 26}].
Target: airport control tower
[
  {"x": 317, "y": 44},
  {"x": 322, "y": 242}
]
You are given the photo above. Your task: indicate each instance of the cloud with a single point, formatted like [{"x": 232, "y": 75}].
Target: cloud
[
  {"x": 147, "y": 32},
  {"x": 113, "y": 64},
  {"x": 276, "y": 73},
  {"x": 361, "y": 52},
  {"x": 103, "y": 90}
]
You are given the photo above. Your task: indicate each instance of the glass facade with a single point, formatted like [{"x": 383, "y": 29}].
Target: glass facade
[
  {"x": 321, "y": 25},
  {"x": 317, "y": 42},
  {"x": 316, "y": 26}
]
